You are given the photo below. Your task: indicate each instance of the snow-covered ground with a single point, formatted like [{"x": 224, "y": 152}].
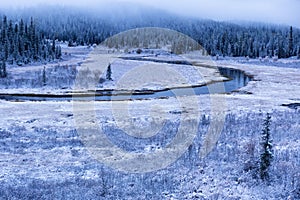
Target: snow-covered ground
[
  {"x": 43, "y": 153},
  {"x": 83, "y": 66},
  {"x": 60, "y": 75},
  {"x": 292, "y": 62}
]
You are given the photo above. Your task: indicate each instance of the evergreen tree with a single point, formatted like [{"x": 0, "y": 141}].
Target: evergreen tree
[
  {"x": 53, "y": 46},
  {"x": 4, "y": 69},
  {"x": 298, "y": 53},
  {"x": 44, "y": 76},
  {"x": 6, "y": 49},
  {"x": 266, "y": 154},
  {"x": 291, "y": 45},
  {"x": 58, "y": 52},
  {"x": 3, "y": 72},
  {"x": 281, "y": 52},
  {"x": 108, "y": 73},
  {"x": 4, "y": 30}
]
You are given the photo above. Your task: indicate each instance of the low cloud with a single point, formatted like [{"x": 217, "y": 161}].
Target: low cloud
[{"x": 270, "y": 11}]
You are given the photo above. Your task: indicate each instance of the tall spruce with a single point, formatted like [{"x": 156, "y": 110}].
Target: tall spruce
[
  {"x": 44, "y": 76},
  {"x": 266, "y": 156},
  {"x": 291, "y": 44},
  {"x": 108, "y": 73},
  {"x": 3, "y": 72}
]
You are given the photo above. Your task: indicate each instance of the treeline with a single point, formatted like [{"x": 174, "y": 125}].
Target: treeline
[
  {"x": 86, "y": 27},
  {"x": 22, "y": 43},
  {"x": 252, "y": 40}
]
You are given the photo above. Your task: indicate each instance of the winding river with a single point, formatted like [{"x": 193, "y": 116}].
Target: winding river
[{"x": 237, "y": 79}]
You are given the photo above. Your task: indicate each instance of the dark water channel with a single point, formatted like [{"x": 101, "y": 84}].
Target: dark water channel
[{"x": 238, "y": 79}]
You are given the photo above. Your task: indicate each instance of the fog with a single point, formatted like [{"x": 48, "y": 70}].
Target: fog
[{"x": 270, "y": 11}]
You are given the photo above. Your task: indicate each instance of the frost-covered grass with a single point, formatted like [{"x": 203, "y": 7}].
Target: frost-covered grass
[
  {"x": 60, "y": 75},
  {"x": 145, "y": 75},
  {"x": 42, "y": 154},
  {"x": 292, "y": 62},
  {"x": 80, "y": 66}
]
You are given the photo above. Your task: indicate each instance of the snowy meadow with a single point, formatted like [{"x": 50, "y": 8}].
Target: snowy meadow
[{"x": 96, "y": 106}]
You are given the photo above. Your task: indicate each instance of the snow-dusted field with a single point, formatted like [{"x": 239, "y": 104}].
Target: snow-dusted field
[
  {"x": 43, "y": 153},
  {"x": 60, "y": 75},
  {"x": 81, "y": 67}
]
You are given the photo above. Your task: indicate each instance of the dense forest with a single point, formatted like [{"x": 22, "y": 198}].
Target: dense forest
[
  {"x": 81, "y": 27},
  {"x": 23, "y": 43}
]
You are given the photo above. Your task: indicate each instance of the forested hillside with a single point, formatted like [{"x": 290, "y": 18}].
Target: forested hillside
[{"x": 85, "y": 27}]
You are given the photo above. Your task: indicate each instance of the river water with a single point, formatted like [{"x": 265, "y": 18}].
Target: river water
[{"x": 237, "y": 79}]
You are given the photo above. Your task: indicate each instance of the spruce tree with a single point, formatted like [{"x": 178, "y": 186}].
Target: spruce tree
[
  {"x": 108, "y": 73},
  {"x": 281, "y": 52},
  {"x": 58, "y": 52},
  {"x": 266, "y": 156},
  {"x": 291, "y": 45},
  {"x": 3, "y": 72},
  {"x": 44, "y": 76},
  {"x": 53, "y": 45}
]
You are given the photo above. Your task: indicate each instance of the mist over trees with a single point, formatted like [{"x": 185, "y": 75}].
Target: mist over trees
[
  {"x": 87, "y": 27},
  {"x": 92, "y": 26}
]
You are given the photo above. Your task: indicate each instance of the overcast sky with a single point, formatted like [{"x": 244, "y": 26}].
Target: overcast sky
[{"x": 274, "y": 11}]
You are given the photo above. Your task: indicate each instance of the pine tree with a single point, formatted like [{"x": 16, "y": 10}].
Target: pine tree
[
  {"x": 4, "y": 29},
  {"x": 280, "y": 50},
  {"x": 298, "y": 54},
  {"x": 6, "y": 49},
  {"x": 3, "y": 72},
  {"x": 44, "y": 76},
  {"x": 58, "y": 52},
  {"x": 291, "y": 45},
  {"x": 4, "y": 69},
  {"x": 266, "y": 156},
  {"x": 108, "y": 73},
  {"x": 53, "y": 46}
]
